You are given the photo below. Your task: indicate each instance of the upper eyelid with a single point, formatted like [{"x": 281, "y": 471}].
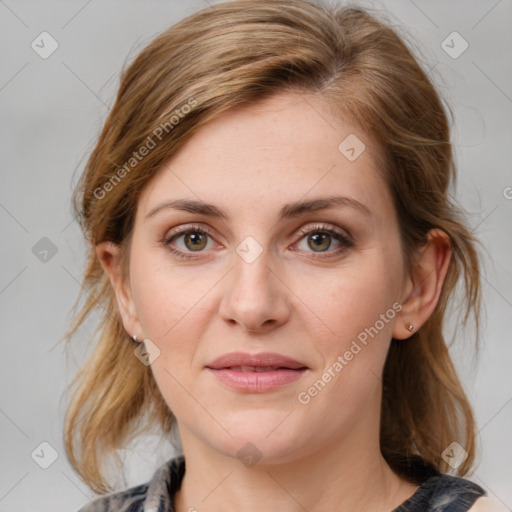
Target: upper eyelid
[
  {"x": 179, "y": 230},
  {"x": 326, "y": 226}
]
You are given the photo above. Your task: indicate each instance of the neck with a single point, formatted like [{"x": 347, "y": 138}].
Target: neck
[{"x": 350, "y": 475}]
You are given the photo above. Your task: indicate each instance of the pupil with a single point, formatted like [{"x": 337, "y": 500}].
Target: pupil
[
  {"x": 195, "y": 241},
  {"x": 321, "y": 241}
]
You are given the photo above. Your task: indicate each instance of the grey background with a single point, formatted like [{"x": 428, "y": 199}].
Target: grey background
[{"x": 51, "y": 112}]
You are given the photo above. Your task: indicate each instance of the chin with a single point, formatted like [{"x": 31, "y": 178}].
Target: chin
[{"x": 263, "y": 435}]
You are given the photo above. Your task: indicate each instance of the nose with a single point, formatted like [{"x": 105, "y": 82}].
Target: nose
[{"x": 254, "y": 298}]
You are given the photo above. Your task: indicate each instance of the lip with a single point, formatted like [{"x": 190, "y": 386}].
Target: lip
[
  {"x": 264, "y": 359},
  {"x": 256, "y": 373}
]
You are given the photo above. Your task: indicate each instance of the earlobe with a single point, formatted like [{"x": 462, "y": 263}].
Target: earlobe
[
  {"x": 111, "y": 258},
  {"x": 424, "y": 284}
]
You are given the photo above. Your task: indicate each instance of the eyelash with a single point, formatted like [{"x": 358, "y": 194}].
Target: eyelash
[{"x": 345, "y": 241}]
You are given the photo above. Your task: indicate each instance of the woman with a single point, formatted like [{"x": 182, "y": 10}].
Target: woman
[{"x": 273, "y": 247}]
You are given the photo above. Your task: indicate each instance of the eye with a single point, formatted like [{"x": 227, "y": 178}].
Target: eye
[
  {"x": 320, "y": 239},
  {"x": 319, "y": 242},
  {"x": 184, "y": 241},
  {"x": 194, "y": 240}
]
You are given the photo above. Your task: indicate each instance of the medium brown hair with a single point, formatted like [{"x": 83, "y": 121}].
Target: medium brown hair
[{"x": 236, "y": 53}]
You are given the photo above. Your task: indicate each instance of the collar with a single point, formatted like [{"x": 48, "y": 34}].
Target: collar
[{"x": 163, "y": 486}]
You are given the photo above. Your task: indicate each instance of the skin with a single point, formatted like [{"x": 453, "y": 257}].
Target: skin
[{"x": 294, "y": 299}]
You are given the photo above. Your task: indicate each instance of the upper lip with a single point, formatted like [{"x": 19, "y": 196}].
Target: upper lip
[{"x": 266, "y": 359}]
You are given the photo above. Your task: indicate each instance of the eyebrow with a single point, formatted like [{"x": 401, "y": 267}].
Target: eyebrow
[
  {"x": 314, "y": 205},
  {"x": 288, "y": 211},
  {"x": 188, "y": 205}
]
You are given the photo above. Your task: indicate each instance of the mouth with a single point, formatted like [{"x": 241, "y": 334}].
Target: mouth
[
  {"x": 256, "y": 373},
  {"x": 258, "y": 369}
]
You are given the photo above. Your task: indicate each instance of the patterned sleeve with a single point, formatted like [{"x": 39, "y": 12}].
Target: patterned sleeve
[{"x": 131, "y": 500}]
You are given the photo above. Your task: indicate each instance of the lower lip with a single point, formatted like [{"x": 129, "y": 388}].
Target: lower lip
[{"x": 257, "y": 382}]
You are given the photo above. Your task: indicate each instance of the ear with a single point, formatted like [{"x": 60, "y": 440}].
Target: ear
[
  {"x": 422, "y": 288},
  {"x": 110, "y": 256}
]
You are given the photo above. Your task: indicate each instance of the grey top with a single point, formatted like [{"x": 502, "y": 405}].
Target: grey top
[{"x": 437, "y": 493}]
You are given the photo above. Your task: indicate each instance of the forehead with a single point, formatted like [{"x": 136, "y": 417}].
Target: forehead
[{"x": 281, "y": 149}]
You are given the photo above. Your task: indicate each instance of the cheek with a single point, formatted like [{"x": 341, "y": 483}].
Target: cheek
[
  {"x": 357, "y": 307},
  {"x": 350, "y": 301},
  {"x": 166, "y": 297}
]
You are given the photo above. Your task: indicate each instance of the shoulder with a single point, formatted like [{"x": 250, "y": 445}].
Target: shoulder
[
  {"x": 156, "y": 495},
  {"x": 130, "y": 500},
  {"x": 486, "y": 504},
  {"x": 444, "y": 492}
]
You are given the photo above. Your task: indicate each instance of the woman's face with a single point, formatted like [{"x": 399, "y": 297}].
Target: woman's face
[{"x": 270, "y": 231}]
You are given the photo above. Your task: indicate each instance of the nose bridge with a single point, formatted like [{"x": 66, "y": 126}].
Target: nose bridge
[
  {"x": 252, "y": 279},
  {"x": 254, "y": 298}
]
